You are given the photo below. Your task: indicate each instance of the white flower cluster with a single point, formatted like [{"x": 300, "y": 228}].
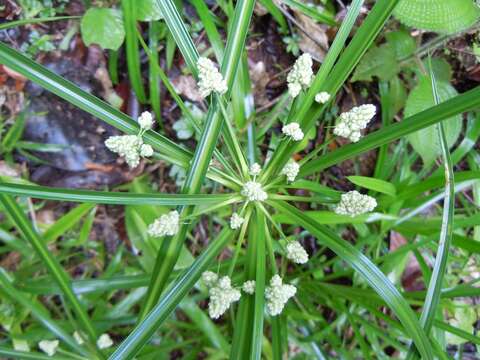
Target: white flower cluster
[
  {"x": 104, "y": 341},
  {"x": 236, "y": 221},
  {"x": 322, "y": 97},
  {"x": 222, "y": 295},
  {"x": 255, "y": 169},
  {"x": 248, "y": 287},
  {"x": 145, "y": 120},
  {"x": 296, "y": 252},
  {"x": 290, "y": 170},
  {"x": 253, "y": 191},
  {"x": 131, "y": 147},
  {"x": 166, "y": 224},
  {"x": 209, "y": 278},
  {"x": 300, "y": 77},
  {"x": 293, "y": 131},
  {"x": 210, "y": 79},
  {"x": 78, "y": 338},
  {"x": 49, "y": 347},
  {"x": 353, "y": 203},
  {"x": 277, "y": 295},
  {"x": 352, "y": 122}
]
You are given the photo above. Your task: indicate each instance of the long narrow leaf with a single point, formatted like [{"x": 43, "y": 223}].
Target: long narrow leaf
[
  {"x": 170, "y": 250},
  {"x": 117, "y": 198},
  {"x": 89, "y": 103},
  {"x": 51, "y": 263},
  {"x": 467, "y": 101},
  {"x": 39, "y": 312},
  {"x": 377, "y": 280},
  {"x": 179, "y": 288}
]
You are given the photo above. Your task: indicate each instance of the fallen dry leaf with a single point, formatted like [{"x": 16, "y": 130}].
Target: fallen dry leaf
[
  {"x": 187, "y": 86},
  {"x": 313, "y": 36}
]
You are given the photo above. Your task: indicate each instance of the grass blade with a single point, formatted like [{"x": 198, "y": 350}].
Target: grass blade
[
  {"x": 432, "y": 298},
  {"x": 22, "y": 223},
  {"x": 377, "y": 280},
  {"x": 170, "y": 250},
  {"x": 180, "y": 34},
  {"x": 283, "y": 153},
  {"x": 467, "y": 101},
  {"x": 153, "y": 75},
  {"x": 117, "y": 198},
  {"x": 131, "y": 45},
  {"x": 38, "y": 311},
  {"x": 167, "y": 304},
  {"x": 260, "y": 271},
  {"x": 68, "y": 91}
]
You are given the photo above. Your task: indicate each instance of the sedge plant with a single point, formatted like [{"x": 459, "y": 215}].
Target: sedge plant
[{"x": 255, "y": 269}]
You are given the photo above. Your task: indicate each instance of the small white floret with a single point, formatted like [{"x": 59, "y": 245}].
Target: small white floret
[
  {"x": 322, "y": 97},
  {"x": 222, "y": 295},
  {"x": 145, "y": 120},
  {"x": 209, "y": 278},
  {"x": 166, "y": 224},
  {"x": 78, "y": 338},
  {"x": 127, "y": 146},
  {"x": 277, "y": 295},
  {"x": 296, "y": 252},
  {"x": 350, "y": 124},
  {"x": 255, "y": 169},
  {"x": 210, "y": 79},
  {"x": 49, "y": 347},
  {"x": 146, "y": 150},
  {"x": 253, "y": 191},
  {"x": 236, "y": 221},
  {"x": 249, "y": 287},
  {"x": 353, "y": 203},
  {"x": 290, "y": 170},
  {"x": 293, "y": 131},
  {"x": 300, "y": 77},
  {"x": 104, "y": 341}
]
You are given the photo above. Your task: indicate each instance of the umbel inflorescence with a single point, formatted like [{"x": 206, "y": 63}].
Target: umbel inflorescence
[{"x": 253, "y": 190}]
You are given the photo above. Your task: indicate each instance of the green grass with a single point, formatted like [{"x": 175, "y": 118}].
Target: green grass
[{"x": 350, "y": 301}]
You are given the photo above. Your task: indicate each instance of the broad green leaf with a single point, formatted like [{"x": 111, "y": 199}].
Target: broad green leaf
[
  {"x": 103, "y": 27},
  {"x": 380, "y": 62},
  {"x": 378, "y": 185},
  {"x": 147, "y": 10},
  {"x": 446, "y": 16},
  {"x": 463, "y": 318},
  {"x": 425, "y": 141},
  {"x": 402, "y": 42}
]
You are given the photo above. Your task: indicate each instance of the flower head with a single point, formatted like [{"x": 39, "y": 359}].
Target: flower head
[
  {"x": 104, "y": 341},
  {"x": 209, "y": 278},
  {"x": 296, "y": 253},
  {"x": 49, "y": 347},
  {"x": 145, "y": 120},
  {"x": 300, "y": 77},
  {"x": 255, "y": 169},
  {"x": 277, "y": 295},
  {"x": 236, "y": 221},
  {"x": 352, "y": 122},
  {"x": 78, "y": 338},
  {"x": 253, "y": 191},
  {"x": 290, "y": 170},
  {"x": 353, "y": 203},
  {"x": 146, "y": 150},
  {"x": 222, "y": 295},
  {"x": 249, "y": 287},
  {"x": 127, "y": 146},
  {"x": 166, "y": 224},
  {"x": 293, "y": 130},
  {"x": 210, "y": 79},
  {"x": 322, "y": 97}
]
